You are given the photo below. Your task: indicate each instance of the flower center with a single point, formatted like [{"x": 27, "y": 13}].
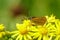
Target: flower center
[
  {"x": 43, "y": 30},
  {"x": 23, "y": 31}
]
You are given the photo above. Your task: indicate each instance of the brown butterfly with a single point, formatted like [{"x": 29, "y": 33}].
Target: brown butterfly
[{"x": 39, "y": 20}]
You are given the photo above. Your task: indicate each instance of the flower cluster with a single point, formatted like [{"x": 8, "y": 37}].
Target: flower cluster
[
  {"x": 27, "y": 31},
  {"x": 2, "y": 33}
]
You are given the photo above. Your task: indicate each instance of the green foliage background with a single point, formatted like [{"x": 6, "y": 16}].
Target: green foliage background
[{"x": 36, "y": 8}]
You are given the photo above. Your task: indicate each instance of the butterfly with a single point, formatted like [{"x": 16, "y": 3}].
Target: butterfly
[{"x": 38, "y": 20}]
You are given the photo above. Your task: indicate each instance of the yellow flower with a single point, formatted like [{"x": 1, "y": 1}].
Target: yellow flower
[
  {"x": 27, "y": 23},
  {"x": 1, "y": 27},
  {"x": 43, "y": 32},
  {"x": 57, "y": 29},
  {"x": 56, "y": 22},
  {"x": 51, "y": 18},
  {"x": 2, "y": 33},
  {"x": 19, "y": 25},
  {"x": 22, "y": 33}
]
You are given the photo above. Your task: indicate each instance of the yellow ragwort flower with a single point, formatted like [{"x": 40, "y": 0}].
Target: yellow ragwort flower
[
  {"x": 27, "y": 23},
  {"x": 1, "y": 27},
  {"x": 43, "y": 32},
  {"x": 57, "y": 29},
  {"x": 51, "y": 18},
  {"x": 22, "y": 33},
  {"x": 2, "y": 33}
]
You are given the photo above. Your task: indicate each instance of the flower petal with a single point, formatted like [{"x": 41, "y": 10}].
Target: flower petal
[
  {"x": 29, "y": 37},
  {"x": 14, "y": 32},
  {"x": 18, "y": 37},
  {"x": 30, "y": 33},
  {"x": 25, "y": 37},
  {"x": 45, "y": 37},
  {"x": 50, "y": 38},
  {"x": 40, "y": 37},
  {"x": 14, "y": 35},
  {"x": 36, "y": 35},
  {"x": 57, "y": 37},
  {"x": 33, "y": 29}
]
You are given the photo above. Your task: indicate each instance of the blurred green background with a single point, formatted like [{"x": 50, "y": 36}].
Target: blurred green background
[{"x": 36, "y": 8}]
